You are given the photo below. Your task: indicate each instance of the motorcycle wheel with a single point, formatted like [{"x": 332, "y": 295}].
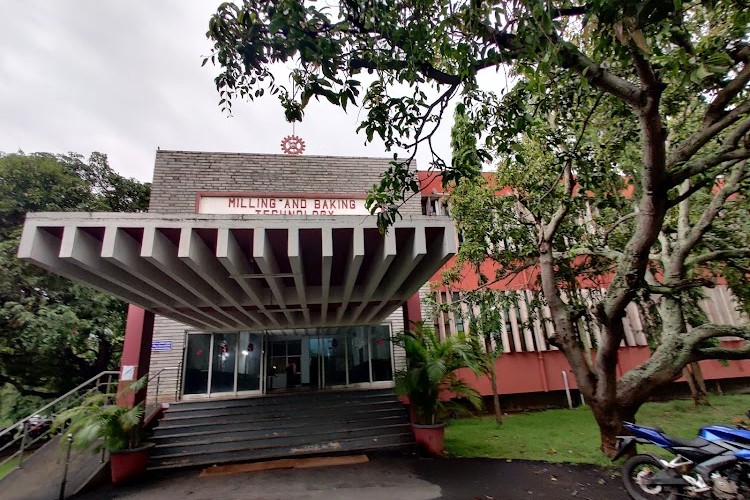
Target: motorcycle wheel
[{"x": 638, "y": 468}]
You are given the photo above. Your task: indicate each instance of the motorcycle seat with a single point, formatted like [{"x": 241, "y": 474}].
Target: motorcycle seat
[{"x": 697, "y": 442}]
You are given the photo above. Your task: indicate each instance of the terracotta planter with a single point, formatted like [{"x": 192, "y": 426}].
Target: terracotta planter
[
  {"x": 128, "y": 464},
  {"x": 430, "y": 438}
]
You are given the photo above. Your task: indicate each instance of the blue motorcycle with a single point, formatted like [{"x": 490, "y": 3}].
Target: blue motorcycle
[{"x": 716, "y": 464}]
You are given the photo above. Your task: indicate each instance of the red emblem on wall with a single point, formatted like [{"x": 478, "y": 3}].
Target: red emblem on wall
[
  {"x": 293, "y": 145},
  {"x": 380, "y": 341}
]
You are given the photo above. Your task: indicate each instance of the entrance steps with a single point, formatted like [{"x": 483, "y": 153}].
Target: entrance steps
[{"x": 279, "y": 426}]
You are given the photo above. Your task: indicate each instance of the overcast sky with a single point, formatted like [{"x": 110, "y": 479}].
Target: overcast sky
[{"x": 125, "y": 77}]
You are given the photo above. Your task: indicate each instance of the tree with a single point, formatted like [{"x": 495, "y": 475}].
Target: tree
[
  {"x": 594, "y": 233},
  {"x": 673, "y": 75},
  {"x": 484, "y": 314},
  {"x": 54, "y": 333},
  {"x": 483, "y": 305}
]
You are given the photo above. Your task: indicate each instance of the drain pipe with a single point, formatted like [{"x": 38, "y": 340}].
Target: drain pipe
[{"x": 567, "y": 389}]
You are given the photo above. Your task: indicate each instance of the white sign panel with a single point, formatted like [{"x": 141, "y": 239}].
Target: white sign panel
[
  {"x": 270, "y": 205},
  {"x": 128, "y": 373}
]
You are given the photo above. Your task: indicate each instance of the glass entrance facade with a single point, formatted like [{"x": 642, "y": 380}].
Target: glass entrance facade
[{"x": 221, "y": 364}]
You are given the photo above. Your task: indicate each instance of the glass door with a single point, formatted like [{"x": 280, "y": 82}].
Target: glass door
[
  {"x": 359, "y": 356},
  {"x": 250, "y": 359},
  {"x": 315, "y": 362},
  {"x": 222, "y": 363},
  {"x": 380, "y": 353},
  {"x": 284, "y": 365},
  {"x": 224, "y": 360},
  {"x": 335, "y": 367},
  {"x": 197, "y": 363}
]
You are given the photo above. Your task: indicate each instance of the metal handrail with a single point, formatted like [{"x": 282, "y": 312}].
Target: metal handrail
[
  {"x": 71, "y": 398},
  {"x": 157, "y": 376},
  {"x": 41, "y": 410}
]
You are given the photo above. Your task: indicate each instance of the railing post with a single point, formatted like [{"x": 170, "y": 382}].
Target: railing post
[
  {"x": 65, "y": 468},
  {"x": 178, "y": 385},
  {"x": 23, "y": 446},
  {"x": 156, "y": 393}
]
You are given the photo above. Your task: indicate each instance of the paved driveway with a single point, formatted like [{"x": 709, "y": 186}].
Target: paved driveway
[{"x": 384, "y": 477}]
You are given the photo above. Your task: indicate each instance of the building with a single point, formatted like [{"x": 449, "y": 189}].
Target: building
[
  {"x": 533, "y": 372},
  {"x": 255, "y": 274}
]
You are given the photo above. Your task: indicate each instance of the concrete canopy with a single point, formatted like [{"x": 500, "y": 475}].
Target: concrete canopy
[{"x": 223, "y": 273}]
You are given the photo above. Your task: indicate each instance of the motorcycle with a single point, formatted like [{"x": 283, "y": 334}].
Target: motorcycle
[{"x": 715, "y": 464}]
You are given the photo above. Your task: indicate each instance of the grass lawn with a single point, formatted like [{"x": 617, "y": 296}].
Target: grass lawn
[
  {"x": 5, "y": 469},
  {"x": 572, "y": 435}
]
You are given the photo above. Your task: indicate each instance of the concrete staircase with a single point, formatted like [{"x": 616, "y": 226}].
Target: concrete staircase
[{"x": 279, "y": 426}]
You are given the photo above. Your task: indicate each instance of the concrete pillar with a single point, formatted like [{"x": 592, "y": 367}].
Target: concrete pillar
[
  {"x": 412, "y": 311},
  {"x": 136, "y": 354}
]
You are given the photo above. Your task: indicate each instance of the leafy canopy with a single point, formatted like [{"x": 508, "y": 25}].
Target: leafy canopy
[
  {"x": 415, "y": 58},
  {"x": 54, "y": 333},
  {"x": 605, "y": 96}
]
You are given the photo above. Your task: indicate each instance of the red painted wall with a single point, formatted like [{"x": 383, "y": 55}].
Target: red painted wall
[
  {"x": 524, "y": 372},
  {"x": 530, "y": 372}
]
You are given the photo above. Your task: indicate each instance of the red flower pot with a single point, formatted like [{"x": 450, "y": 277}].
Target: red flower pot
[
  {"x": 127, "y": 464},
  {"x": 430, "y": 438}
]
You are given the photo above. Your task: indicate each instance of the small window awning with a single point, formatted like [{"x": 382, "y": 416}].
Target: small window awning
[{"x": 222, "y": 273}]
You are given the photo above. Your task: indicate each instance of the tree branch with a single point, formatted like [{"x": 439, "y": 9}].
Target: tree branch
[
  {"x": 706, "y": 219},
  {"x": 730, "y": 253},
  {"x": 646, "y": 73},
  {"x": 709, "y": 331},
  {"x": 595, "y": 252},
  {"x": 619, "y": 221},
  {"x": 676, "y": 288},
  {"x": 570, "y": 11},
  {"x": 700, "y": 138},
  {"x": 599, "y": 77},
  {"x": 527, "y": 214},
  {"x": 694, "y": 188},
  {"x": 716, "y": 109},
  {"x": 727, "y": 155},
  {"x": 397, "y": 65},
  {"x": 722, "y": 353}
]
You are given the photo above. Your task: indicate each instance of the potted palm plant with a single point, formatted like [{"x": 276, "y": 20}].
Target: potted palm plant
[
  {"x": 430, "y": 383},
  {"x": 98, "y": 423}
]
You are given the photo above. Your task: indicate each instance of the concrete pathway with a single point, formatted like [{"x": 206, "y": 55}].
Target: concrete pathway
[
  {"x": 42, "y": 473},
  {"x": 384, "y": 477}
]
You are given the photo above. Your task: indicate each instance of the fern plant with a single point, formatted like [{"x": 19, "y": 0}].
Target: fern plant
[
  {"x": 99, "y": 423},
  {"x": 429, "y": 380}
]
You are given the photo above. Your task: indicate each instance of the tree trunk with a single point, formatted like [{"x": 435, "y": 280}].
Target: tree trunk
[
  {"x": 495, "y": 395},
  {"x": 694, "y": 377},
  {"x": 610, "y": 418}
]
